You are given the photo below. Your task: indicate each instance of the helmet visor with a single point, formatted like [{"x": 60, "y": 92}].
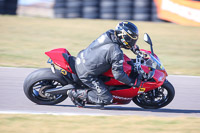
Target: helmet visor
[
  {"x": 131, "y": 42},
  {"x": 130, "y": 38}
]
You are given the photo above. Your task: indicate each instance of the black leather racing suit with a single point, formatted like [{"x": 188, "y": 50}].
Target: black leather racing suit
[{"x": 101, "y": 55}]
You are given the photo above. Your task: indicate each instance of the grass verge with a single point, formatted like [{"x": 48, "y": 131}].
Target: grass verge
[
  {"x": 24, "y": 40},
  {"x": 98, "y": 124}
]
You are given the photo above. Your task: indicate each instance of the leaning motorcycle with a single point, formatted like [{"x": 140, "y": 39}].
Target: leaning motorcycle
[{"x": 49, "y": 86}]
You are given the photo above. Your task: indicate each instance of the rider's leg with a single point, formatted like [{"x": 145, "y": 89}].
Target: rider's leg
[{"x": 98, "y": 94}]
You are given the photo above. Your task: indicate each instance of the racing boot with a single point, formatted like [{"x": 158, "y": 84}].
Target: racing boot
[{"x": 78, "y": 97}]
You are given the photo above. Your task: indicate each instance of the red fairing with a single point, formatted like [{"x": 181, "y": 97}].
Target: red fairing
[
  {"x": 160, "y": 76},
  {"x": 123, "y": 96},
  {"x": 145, "y": 68},
  {"x": 127, "y": 70},
  {"x": 57, "y": 58}
]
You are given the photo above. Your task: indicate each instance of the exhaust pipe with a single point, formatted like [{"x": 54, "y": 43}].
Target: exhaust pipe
[{"x": 63, "y": 90}]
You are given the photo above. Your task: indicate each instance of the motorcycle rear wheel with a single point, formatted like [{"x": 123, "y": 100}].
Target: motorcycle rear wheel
[
  {"x": 164, "y": 95},
  {"x": 40, "y": 80}
]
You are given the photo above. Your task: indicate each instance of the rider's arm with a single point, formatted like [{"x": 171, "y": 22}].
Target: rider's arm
[{"x": 117, "y": 69}]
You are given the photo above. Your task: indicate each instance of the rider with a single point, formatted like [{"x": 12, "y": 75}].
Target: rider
[{"x": 101, "y": 55}]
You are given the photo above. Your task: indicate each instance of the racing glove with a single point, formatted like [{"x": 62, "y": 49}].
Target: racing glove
[
  {"x": 137, "y": 82},
  {"x": 135, "y": 49}
]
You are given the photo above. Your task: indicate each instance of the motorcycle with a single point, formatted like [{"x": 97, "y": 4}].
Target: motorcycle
[{"x": 47, "y": 86}]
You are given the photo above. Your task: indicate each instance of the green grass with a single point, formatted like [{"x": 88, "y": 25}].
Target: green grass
[
  {"x": 97, "y": 124},
  {"x": 24, "y": 40}
]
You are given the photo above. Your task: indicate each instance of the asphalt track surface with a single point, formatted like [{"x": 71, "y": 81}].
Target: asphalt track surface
[{"x": 13, "y": 100}]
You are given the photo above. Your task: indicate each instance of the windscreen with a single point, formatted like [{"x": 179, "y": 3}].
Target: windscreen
[{"x": 153, "y": 62}]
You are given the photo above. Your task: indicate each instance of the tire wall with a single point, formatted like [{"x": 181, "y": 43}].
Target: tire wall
[
  {"x": 139, "y": 10},
  {"x": 8, "y": 7}
]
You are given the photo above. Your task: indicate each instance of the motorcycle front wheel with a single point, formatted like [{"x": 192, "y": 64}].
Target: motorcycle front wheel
[
  {"x": 41, "y": 80},
  {"x": 157, "y": 98}
]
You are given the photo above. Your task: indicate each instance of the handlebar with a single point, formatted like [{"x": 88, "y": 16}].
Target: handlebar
[
  {"x": 137, "y": 52},
  {"x": 141, "y": 56}
]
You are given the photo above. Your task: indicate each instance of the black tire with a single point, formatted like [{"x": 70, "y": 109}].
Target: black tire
[
  {"x": 91, "y": 16},
  {"x": 167, "y": 86},
  {"x": 107, "y": 16},
  {"x": 43, "y": 78},
  {"x": 72, "y": 15},
  {"x": 124, "y": 10},
  {"x": 124, "y": 16},
  {"x": 142, "y": 3},
  {"x": 1, "y": 6},
  {"x": 124, "y": 3},
  {"x": 71, "y": 12},
  {"x": 107, "y": 10},
  {"x": 73, "y": 9},
  {"x": 90, "y": 9},
  {"x": 57, "y": 15},
  {"x": 59, "y": 12},
  {"x": 141, "y": 17},
  {"x": 73, "y": 3},
  {"x": 90, "y": 3},
  {"x": 59, "y": 4},
  {"x": 107, "y": 3},
  {"x": 90, "y": 12},
  {"x": 10, "y": 7},
  {"x": 141, "y": 14}
]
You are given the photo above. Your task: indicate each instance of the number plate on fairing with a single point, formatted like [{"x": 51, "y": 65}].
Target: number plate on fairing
[{"x": 141, "y": 90}]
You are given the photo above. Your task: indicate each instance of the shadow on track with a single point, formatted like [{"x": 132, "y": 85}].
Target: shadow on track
[{"x": 120, "y": 108}]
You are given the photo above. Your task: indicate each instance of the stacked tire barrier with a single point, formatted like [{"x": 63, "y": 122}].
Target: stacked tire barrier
[
  {"x": 107, "y": 9},
  {"x": 90, "y": 8},
  {"x": 73, "y": 8},
  {"x": 124, "y": 9},
  {"x": 139, "y": 10},
  {"x": 1, "y": 6},
  {"x": 8, "y": 7},
  {"x": 142, "y": 10},
  {"x": 59, "y": 8}
]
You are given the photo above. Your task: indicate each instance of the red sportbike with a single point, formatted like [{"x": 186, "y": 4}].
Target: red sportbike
[{"x": 47, "y": 86}]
